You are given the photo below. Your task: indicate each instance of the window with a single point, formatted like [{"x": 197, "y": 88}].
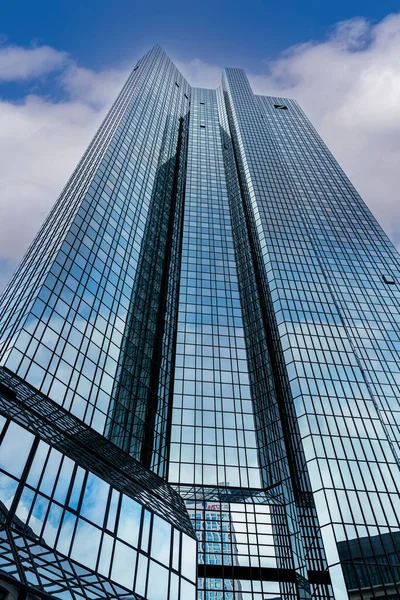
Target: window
[
  {"x": 388, "y": 279},
  {"x": 280, "y": 106}
]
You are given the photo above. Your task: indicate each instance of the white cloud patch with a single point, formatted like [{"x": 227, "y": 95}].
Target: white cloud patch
[
  {"x": 18, "y": 64},
  {"x": 98, "y": 90},
  {"x": 199, "y": 73},
  {"x": 349, "y": 86}
]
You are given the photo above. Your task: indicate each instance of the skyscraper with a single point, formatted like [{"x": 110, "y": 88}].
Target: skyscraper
[{"x": 208, "y": 301}]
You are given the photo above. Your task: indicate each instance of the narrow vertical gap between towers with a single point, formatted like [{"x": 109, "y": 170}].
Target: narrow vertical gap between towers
[{"x": 152, "y": 397}]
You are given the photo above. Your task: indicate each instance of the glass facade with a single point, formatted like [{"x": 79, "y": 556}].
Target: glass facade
[{"x": 199, "y": 364}]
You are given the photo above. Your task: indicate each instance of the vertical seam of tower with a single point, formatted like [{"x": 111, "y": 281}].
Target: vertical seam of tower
[{"x": 152, "y": 396}]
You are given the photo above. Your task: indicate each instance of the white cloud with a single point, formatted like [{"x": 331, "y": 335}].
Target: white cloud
[
  {"x": 99, "y": 90},
  {"x": 18, "y": 63},
  {"x": 199, "y": 73}
]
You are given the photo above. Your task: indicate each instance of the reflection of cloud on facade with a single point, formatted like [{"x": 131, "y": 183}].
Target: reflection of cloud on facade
[{"x": 86, "y": 544}]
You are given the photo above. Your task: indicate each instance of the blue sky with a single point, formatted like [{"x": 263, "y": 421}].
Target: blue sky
[{"x": 63, "y": 62}]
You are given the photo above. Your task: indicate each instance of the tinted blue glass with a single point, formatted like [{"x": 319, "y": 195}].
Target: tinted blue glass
[{"x": 200, "y": 363}]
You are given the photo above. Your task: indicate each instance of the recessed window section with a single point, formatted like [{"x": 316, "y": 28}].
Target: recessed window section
[
  {"x": 202, "y": 125},
  {"x": 388, "y": 279},
  {"x": 186, "y": 96},
  {"x": 202, "y": 102},
  {"x": 280, "y": 106},
  {"x": 8, "y": 393},
  {"x": 177, "y": 84}
]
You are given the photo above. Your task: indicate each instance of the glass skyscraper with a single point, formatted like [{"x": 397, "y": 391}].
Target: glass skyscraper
[{"x": 199, "y": 380}]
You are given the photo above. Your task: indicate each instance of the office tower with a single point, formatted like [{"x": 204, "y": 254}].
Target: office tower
[{"x": 208, "y": 317}]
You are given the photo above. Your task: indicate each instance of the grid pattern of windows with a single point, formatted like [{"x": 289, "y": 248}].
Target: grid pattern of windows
[
  {"x": 140, "y": 404},
  {"x": 233, "y": 534},
  {"x": 49, "y": 500},
  {"x": 263, "y": 368},
  {"x": 358, "y": 259},
  {"x": 353, "y": 361},
  {"x": 73, "y": 321},
  {"x": 226, "y": 536},
  {"x": 213, "y": 438},
  {"x": 199, "y": 353},
  {"x": 328, "y": 401}
]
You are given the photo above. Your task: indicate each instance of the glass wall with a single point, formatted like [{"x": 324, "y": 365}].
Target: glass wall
[
  {"x": 314, "y": 253},
  {"x": 71, "y": 530},
  {"x": 209, "y": 304}
]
